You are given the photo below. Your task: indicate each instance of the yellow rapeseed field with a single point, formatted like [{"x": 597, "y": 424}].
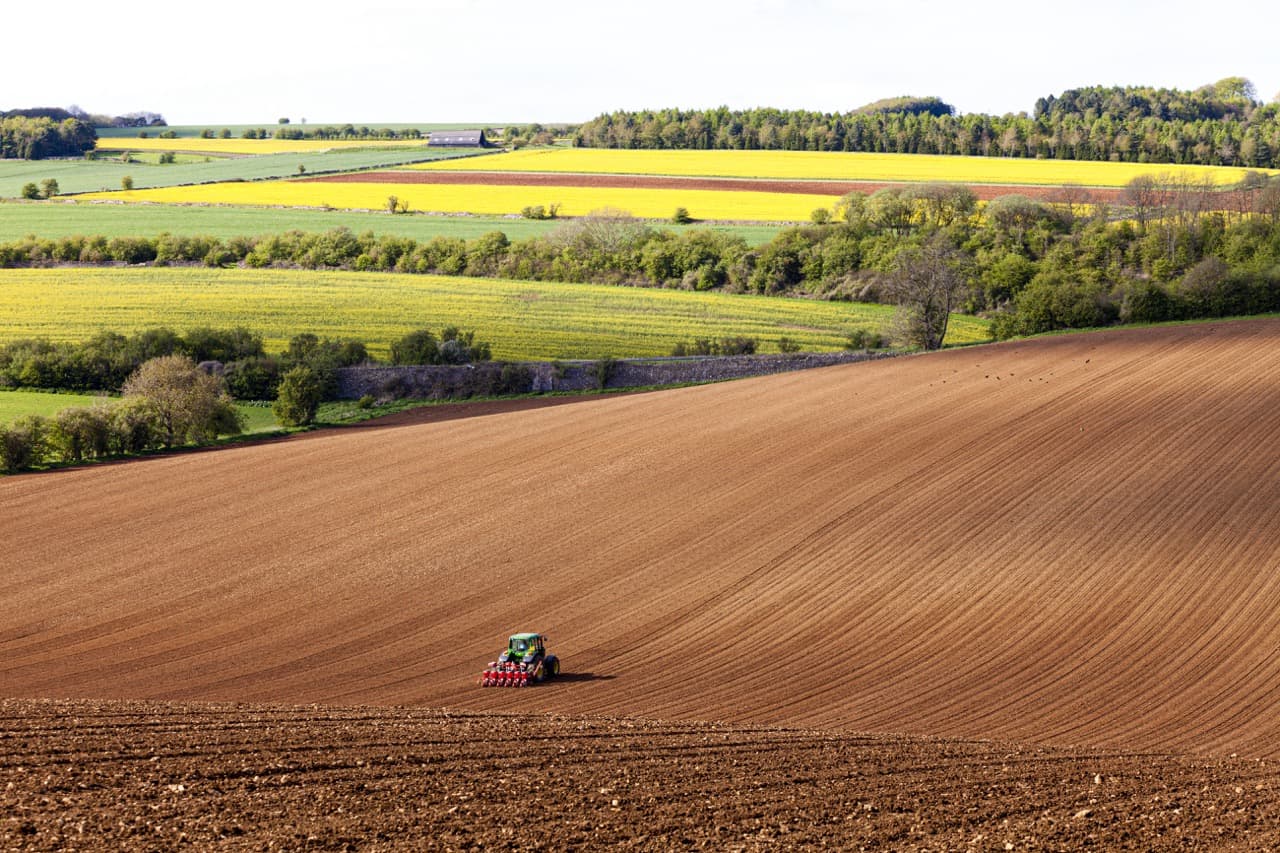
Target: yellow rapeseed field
[
  {"x": 252, "y": 146},
  {"x": 521, "y": 319},
  {"x": 822, "y": 165},
  {"x": 490, "y": 199}
]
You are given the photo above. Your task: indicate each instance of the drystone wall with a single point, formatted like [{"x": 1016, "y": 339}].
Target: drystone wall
[{"x": 491, "y": 378}]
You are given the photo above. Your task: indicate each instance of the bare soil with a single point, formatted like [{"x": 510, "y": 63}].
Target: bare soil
[
  {"x": 1068, "y": 542},
  {"x": 985, "y": 192},
  {"x": 142, "y": 776}
]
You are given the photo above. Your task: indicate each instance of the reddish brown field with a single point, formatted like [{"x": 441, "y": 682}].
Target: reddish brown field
[
  {"x": 133, "y": 776},
  {"x": 1068, "y": 542},
  {"x": 984, "y": 192}
]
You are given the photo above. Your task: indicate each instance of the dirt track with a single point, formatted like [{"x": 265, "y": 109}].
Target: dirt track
[
  {"x": 165, "y": 777},
  {"x": 1065, "y": 541},
  {"x": 984, "y": 192}
]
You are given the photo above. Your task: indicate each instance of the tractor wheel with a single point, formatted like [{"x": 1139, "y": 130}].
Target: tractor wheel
[{"x": 554, "y": 669}]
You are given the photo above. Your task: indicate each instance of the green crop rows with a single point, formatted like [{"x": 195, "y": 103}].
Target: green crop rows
[{"x": 77, "y": 176}]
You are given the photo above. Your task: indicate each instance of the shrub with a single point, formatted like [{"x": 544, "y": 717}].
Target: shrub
[
  {"x": 865, "y": 339},
  {"x": 126, "y": 182},
  {"x": 253, "y": 378},
  {"x": 30, "y": 191},
  {"x": 454, "y": 346},
  {"x": 681, "y": 216},
  {"x": 787, "y": 345},
  {"x": 81, "y": 432},
  {"x": 738, "y": 345},
  {"x": 1146, "y": 302},
  {"x": 603, "y": 370},
  {"x": 131, "y": 250},
  {"x": 420, "y": 347},
  {"x": 23, "y": 443},
  {"x": 167, "y": 157},
  {"x": 820, "y": 216},
  {"x": 298, "y": 399},
  {"x": 49, "y": 188},
  {"x": 366, "y": 402},
  {"x": 135, "y": 426},
  {"x": 513, "y": 379}
]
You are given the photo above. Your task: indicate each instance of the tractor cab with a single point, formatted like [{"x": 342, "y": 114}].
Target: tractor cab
[{"x": 522, "y": 648}]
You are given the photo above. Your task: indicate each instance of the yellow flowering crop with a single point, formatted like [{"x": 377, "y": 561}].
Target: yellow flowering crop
[
  {"x": 491, "y": 199},
  {"x": 833, "y": 165},
  {"x": 521, "y": 319}
]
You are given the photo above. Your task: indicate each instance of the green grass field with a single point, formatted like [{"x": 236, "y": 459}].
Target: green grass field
[
  {"x": 15, "y": 404},
  {"x": 67, "y": 219},
  {"x": 104, "y": 174},
  {"x": 186, "y": 131},
  {"x": 521, "y": 320}
]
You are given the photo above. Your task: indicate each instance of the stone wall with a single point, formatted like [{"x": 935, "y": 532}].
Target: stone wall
[{"x": 492, "y": 378}]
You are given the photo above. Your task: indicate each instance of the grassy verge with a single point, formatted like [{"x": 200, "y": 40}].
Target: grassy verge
[{"x": 16, "y": 403}]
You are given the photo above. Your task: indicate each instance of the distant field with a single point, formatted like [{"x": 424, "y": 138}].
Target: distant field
[
  {"x": 66, "y": 219},
  {"x": 236, "y": 130},
  {"x": 15, "y": 404},
  {"x": 253, "y": 146},
  {"x": 495, "y": 199},
  {"x": 818, "y": 165},
  {"x": 79, "y": 176},
  {"x": 522, "y": 320}
]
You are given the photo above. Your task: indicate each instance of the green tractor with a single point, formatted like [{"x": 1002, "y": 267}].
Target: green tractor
[{"x": 524, "y": 662}]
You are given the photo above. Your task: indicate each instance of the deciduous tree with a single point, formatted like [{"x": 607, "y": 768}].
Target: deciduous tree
[
  {"x": 190, "y": 404},
  {"x": 928, "y": 283}
]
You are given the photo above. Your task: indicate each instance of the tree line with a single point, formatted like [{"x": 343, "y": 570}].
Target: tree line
[
  {"x": 1220, "y": 124},
  {"x": 40, "y": 137},
  {"x": 1171, "y": 248},
  {"x": 104, "y": 361},
  {"x": 179, "y": 389},
  {"x": 167, "y": 401}
]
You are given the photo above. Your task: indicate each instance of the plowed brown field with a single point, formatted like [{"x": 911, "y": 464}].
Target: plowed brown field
[
  {"x": 1069, "y": 542},
  {"x": 984, "y": 192},
  {"x": 170, "y": 777}
]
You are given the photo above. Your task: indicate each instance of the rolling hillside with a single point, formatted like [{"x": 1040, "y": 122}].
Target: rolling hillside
[{"x": 1066, "y": 541}]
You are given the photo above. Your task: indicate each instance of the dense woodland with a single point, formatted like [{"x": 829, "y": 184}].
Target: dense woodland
[
  {"x": 38, "y": 137},
  {"x": 1220, "y": 124}
]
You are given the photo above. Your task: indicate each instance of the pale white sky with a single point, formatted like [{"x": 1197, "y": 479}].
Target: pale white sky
[{"x": 232, "y": 61}]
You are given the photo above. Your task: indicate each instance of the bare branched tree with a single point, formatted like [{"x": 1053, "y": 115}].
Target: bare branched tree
[{"x": 928, "y": 283}]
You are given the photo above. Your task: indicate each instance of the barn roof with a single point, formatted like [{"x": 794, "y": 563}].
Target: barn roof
[{"x": 455, "y": 138}]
